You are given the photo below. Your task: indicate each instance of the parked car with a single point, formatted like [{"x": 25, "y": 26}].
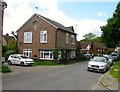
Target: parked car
[
  {"x": 100, "y": 64},
  {"x": 20, "y": 60},
  {"x": 88, "y": 55},
  {"x": 110, "y": 58},
  {"x": 115, "y": 56}
]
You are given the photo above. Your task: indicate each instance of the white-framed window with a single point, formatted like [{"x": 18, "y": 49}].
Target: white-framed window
[
  {"x": 73, "y": 54},
  {"x": 67, "y": 37},
  {"x": 72, "y": 39},
  {"x": 98, "y": 49},
  {"x": 43, "y": 36},
  {"x": 27, "y": 52},
  {"x": 27, "y": 37},
  {"x": 46, "y": 54}
]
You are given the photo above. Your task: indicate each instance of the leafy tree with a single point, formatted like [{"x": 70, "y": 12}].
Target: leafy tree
[
  {"x": 97, "y": 39},
  {"x": 89, "y": 36},
  {"x": 9, "y": 48},
  {"x": 111, "y": 31}
]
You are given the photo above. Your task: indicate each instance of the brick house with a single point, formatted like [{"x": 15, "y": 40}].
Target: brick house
[
  {"x": 39, "y": 36},
  {"x": 93, "y": 48},
  {"x": 3, "y": 5}
]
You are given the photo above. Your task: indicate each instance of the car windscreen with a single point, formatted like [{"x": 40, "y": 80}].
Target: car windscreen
[
  {"x": 98, "y": 59},
  {"x": 23, "y": 57}
]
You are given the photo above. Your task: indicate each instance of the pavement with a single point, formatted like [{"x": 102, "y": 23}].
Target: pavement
[{"x": 107, "y": 82}]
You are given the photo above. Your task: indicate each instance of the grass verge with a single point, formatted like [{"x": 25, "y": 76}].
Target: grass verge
[
  {"x": 115, "y": 70},
  {"x": 5, "y": 69}
]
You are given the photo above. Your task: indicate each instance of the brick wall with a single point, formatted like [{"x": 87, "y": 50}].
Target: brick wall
[
  {"x": 36, "y": 45},
  {"x": 61, "y": 40}
]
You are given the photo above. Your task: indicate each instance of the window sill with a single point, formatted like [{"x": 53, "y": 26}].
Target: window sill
[{"x": 43, "y": 42}]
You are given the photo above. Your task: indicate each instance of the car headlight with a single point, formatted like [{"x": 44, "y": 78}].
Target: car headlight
[
  {"x": 89, "y": 65},
  {"x": 102, "y": 66}
]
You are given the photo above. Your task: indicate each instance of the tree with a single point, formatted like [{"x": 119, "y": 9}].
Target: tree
[
  {"x": 89, "y": 36},
  {"x": 9, "y": 48},
  {"x": 111, "y": 31},
  {"x": 97, "y": 39}
]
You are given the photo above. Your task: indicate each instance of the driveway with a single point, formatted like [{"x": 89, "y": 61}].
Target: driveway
[{"x": 69, "y": 77}]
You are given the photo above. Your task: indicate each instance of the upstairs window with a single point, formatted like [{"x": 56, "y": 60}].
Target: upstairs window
[
  {"x": 67, "y": 38},
  {"x": 72, "y": 39},
  {"x": 43, "y": 36},
  {"x": 27, "y": 37}
]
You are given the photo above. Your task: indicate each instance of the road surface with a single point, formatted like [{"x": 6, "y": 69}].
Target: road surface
[{"x": 69, "y": 77}]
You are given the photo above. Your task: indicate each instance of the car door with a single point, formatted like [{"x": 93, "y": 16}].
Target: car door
[
  {"x": 17, "y": 60},
  {"x": 12, "y": 59}
]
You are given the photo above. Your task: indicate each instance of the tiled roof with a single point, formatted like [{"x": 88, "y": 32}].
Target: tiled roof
[
  {"x": 99, "y": 45},
  {"x": 53, "y": 23},
  {"x": 95, "y": 44},
  {"x": 84, "y": 45},
  {"x": 8, "y": 38},
  {"x": 58, "y": 25}
]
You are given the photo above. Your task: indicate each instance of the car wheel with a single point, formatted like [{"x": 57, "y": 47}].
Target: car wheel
[
  {"x": 22, "y": 64},
  {"x": 9, "y": 62}
]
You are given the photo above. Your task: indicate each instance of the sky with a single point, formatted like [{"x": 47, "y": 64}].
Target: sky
[{"x": 84, "y": 15}]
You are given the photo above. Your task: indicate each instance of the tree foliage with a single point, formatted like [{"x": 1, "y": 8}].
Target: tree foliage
[
  {"x": 97, "y": 39},
  {"x": 9, "y": 48},
  {"x": 111, "y": 31},
  {"x": 89, "y": 36}
]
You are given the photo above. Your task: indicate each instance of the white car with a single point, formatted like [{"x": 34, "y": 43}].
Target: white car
[
  {"x": 100, "y": 64},
  {"x": 20, "y": 60},
  {"x": 115, "y": 56},
  {"x": 110, "y": 58}
]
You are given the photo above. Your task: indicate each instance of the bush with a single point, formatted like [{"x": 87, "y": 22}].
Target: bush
[
  {"x": 5, "y": 69},
  {"x": 67, "y": 61},
  {"x": 8, "y": 53},
  {"x": 80, "y": 58},
  {"x": 47, "y": 63}
]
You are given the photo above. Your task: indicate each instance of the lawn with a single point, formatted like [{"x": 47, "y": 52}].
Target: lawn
[{"x": 115, "y": 71}]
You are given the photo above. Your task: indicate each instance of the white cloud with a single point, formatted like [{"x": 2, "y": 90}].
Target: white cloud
[
  {"x": 101, "y": 14},
  {"x": 88, "y": 25},
  {"x": 18, "y": 11}
]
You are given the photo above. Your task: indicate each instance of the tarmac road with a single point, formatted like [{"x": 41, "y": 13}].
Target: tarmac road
[{"x": 69, "y": 77}]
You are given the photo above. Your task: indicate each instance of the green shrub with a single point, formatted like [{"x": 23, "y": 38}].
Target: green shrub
[
  {"x": 8, "y": 53},
  {"x": 5, "y": 69},
  {"x": 47, "y": 63}
]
